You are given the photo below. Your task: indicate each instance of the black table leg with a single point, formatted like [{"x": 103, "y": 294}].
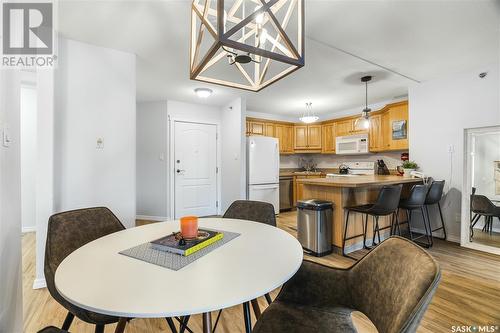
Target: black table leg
[
  {"x": 207, "y": 322},
  {"x": 247, "y": 318}
]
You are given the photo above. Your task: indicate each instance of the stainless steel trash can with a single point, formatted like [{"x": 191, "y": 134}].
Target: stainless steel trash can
[{"x": 314, "y": 226}]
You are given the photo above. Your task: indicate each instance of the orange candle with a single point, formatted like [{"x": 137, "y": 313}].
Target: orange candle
[{"x": 189, "y": 226}]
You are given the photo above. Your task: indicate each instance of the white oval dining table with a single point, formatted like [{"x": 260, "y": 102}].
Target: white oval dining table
[{"x": 96, "y": 277}]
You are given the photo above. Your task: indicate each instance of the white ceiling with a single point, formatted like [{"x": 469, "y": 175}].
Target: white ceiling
[{"x": 419, "y": 39}]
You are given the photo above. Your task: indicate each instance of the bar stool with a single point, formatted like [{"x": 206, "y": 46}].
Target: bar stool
[
  {"x": 386, "y": 204},
  {"x": 433, "y": 197},
  {"x": 415, "y": 202}
]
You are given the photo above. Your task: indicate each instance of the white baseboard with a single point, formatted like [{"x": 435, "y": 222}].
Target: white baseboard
[
  {"x": 151, "y": 218},
  {"x": 39, "y": 284},
  {"x": 28, "y": 229}
]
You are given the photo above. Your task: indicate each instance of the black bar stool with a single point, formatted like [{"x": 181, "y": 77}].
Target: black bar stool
[
  {"x": 415, "y": 202},
  {"x": 482, "y": 206},
  {"x": 386, "y": 204},
  {"x": 433, "y": 197}
]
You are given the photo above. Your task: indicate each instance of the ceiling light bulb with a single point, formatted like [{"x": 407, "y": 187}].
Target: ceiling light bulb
[
  {"x": 259, "y": 19},
  {"x": 309, "y": 119},
  {"x": 203, "y": 92}
]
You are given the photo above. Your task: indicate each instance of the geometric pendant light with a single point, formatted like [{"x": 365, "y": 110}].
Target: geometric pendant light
[{"x": 246, "y": 44}]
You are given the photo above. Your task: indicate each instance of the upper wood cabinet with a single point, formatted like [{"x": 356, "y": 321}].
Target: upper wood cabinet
[
  {"x": 284, "y": 133},
  {"x": 395, "y": 126},
  {"x": 375, "y": 134},
  {"x": 307, "y": 137},
  {"x": 255, "y": 128},
  {"x": 269, "y": 129},
  {"x": 329, "y": 133},
  {"x": 344, "y": 127}
]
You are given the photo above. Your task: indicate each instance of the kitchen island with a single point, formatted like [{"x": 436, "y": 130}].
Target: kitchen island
[{"x": 351, "y": 190}]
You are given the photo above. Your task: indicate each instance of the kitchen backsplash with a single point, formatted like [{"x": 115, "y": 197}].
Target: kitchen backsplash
[{"x": 391, "y": 159}]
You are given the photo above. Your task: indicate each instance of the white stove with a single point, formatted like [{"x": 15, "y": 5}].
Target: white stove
[{"x": 356, "y": 169}]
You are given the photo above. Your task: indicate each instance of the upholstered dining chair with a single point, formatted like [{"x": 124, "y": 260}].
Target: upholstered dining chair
[
  {"x": 392, "y": 286},
  {"x": 67, "y": 232},
  {"x": 52, "y": 329}
]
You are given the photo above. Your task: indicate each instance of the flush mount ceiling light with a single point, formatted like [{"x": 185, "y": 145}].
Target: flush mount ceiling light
[
  {"x": 246, "y": 44},
  {"x": 363, "y": 122},
  {"x": 203, "y": 92},
  {"x": 308, "y": 116}
]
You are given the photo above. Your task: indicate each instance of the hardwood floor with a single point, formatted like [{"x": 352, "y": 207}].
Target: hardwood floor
[{"x": 469, "y": 293}]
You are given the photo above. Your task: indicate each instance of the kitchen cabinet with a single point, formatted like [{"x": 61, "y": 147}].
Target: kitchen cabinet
[
  {"x": 329, "y": 133},
  {"x": 255, "y": 128},
  {"x": 375, "y": 134},
  {"x": 344, "y": 127},
  {"x": 269, "y": 129},
  {"x": 297, "y": 190},
  {"x": 391, "y": 116},
  {"x": 284, "y": 133},
  {"x": 307, "y": 137}
]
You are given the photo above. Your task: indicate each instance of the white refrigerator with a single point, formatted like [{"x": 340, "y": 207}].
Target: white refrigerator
[{"x": 263, "y": 168}]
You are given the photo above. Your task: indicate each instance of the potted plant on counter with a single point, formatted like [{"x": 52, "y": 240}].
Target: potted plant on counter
[{"x": 408, "y": 167}]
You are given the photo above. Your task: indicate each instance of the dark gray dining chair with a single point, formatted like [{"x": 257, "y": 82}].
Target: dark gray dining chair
[
  {"x": 52, "y": 329},
  {"x": 482, "y": 206},
  {"x": 392, "y": 285},
  {"x": 67, "y": 232}
]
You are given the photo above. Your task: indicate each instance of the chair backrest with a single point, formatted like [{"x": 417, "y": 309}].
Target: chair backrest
[
  {"x": 388, "y": 198},
  {"x": 394, "y": 284},
  {"x": 435, "y": 192},
  {"x": 256, "y": 211},
  {"x": 68, "y": 231},
  {"x": 480, "y": 204},
  {"x": 418, "y": 195}
]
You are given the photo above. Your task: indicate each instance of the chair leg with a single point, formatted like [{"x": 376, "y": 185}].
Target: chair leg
[
  {"x": 268, "y": 299},
  {"x": 171, "y": 325},
  {"x": 99, "y": 328},
  {"x": 67, "y": 322},
  {"x": 397, "y": 222},
  {"x": 473, "y": 222},
  {"x": 345, "y": 233},
  {"x": 247, "y": 318},
  {"x": 377, "y": 229},
  {"x": 408, "y": 218},
  {"x": 365, "y": 230},
  {"x": 427, "y": 227},
  {"x": 442, "y": 221},
  {"x": 216, "y": 321}
]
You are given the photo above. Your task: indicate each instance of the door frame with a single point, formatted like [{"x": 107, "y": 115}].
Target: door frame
[
  {"x": 466, "y": 192},
  {"x": 171, "y": 162}
]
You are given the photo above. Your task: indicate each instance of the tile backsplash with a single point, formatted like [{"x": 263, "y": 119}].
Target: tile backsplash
[{"x": 324, "y": 161}]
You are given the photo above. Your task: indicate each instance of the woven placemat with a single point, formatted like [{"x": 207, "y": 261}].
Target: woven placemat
[{"x": 174, "y": 261}]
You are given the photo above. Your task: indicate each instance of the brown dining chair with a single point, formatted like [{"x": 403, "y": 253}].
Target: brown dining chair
[
  {"x": 392, "y": 286},
  {"x": 67, "y": 232},
  {"x": 482, "y": 206}
]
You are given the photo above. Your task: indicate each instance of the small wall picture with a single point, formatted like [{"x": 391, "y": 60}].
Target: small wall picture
[{"x": 399, "y": 130}]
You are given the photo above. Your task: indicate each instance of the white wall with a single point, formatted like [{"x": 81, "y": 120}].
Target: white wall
[
  {"x": 233, "y": 152},
  {"x": 28, "y": 156},
  {"x": 440, "y": 110},
  {"x": 95, "y": 98},
  {"x": 11, "y": 312},
  {"x": 152, "y": 163}
]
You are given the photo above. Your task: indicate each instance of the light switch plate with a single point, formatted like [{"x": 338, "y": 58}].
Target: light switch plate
[
  {"x": 6, "y": 140},
  {"x": 100, "y": 143}
]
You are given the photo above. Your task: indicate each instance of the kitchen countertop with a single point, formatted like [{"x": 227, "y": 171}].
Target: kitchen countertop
[
  {"x": 299, "y": 173},
  {"x": 359, "y": 181}
]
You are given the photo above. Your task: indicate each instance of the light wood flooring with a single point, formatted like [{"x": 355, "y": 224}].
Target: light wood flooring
[{"x": 469, "y": 292}]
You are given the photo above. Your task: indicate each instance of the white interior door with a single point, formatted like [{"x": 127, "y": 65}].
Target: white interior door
[{"x": 195, "y": 169}]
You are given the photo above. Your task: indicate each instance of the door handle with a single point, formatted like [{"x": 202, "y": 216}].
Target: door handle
[{"x": 179, "y": 170}]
